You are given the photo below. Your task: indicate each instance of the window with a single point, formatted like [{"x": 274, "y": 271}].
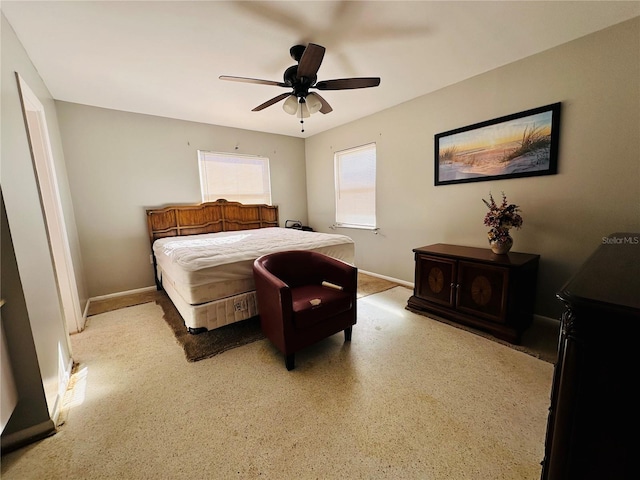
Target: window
[
  {"x": 237, "y": 178},
  {"x": 355, "y": 176}
]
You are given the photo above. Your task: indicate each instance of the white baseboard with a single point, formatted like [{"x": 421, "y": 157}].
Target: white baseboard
[
  {"x": 108, "y": 296},
  {"x": 62, "y": 389},
  {"x": 86, "y": 312},
  {"x": 120, "y": 294},
  {"x": 390, "y": 279}
]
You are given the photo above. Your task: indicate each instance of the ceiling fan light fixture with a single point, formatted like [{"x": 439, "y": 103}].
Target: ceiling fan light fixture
[
  {"x": 303, "y": 111},
  {"x": 290, "y": 105},
  {"x": 313, "y": 103}
]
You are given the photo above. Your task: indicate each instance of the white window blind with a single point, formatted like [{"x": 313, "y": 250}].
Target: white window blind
[
  {"x": 355, "y": 177},
  {"x": 237, "y": 178}
]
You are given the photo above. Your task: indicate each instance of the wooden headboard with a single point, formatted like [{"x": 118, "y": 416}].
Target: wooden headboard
[{"x": 209, "y": 217}]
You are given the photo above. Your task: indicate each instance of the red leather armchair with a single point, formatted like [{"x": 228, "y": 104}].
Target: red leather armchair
[{"x": 296, "y": 306}]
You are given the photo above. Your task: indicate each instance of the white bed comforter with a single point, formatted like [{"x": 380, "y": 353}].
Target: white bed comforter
[{"x": 198, "y": 252}]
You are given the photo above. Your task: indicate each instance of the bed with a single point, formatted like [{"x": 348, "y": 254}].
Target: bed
[{"x": 203, "y": 256}]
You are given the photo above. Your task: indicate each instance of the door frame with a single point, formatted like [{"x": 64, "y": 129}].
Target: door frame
[{"x": 42, "y": 157}]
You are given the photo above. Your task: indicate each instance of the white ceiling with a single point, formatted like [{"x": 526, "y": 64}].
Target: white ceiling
[{"x": 164, "y": 58}]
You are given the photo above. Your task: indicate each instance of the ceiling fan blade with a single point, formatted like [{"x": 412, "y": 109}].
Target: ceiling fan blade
[
  {"x": 268, "y": 103},
  {"x": 348, "y": 83},
  {"x": 310, "y": 61},
  {"x": 253, "y": 80},
  {"x": 326, "y": 108}
]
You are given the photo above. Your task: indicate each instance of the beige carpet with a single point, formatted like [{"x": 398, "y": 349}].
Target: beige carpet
[
  {"x": 540, "y": 340},
  {"x": 408, "y": 398},
  {"x": 211, "y": 343}
]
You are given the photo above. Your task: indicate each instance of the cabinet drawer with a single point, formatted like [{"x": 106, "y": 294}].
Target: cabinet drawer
[
  {"x": 482, "y": 290},
  {"x": 435, "y": 279}
]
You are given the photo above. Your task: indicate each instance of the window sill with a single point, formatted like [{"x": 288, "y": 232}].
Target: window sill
[{"x": 355, "y": 227}]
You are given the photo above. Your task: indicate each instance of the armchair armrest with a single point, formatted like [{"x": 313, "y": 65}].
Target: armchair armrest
[
  {"x": 338, "y": 273},
  {"x": 274, "y": 302}
]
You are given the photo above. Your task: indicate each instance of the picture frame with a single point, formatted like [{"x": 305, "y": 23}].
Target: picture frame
[{"x": 523, "y": 144}]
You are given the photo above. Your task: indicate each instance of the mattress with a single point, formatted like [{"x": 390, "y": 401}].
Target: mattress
[{"x": 208, "y": 267}]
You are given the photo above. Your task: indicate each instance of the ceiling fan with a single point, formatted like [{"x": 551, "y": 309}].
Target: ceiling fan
[{"x": 303, "y": 77}]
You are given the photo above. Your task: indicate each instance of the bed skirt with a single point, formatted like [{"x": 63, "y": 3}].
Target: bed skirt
[{"x": 214, "y": 314}]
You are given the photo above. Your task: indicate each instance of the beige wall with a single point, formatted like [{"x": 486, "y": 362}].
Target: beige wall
[
  {"x": 119, "y": 163},
  {"x": 596, "y": 191},
  {"x": 32, "y": 317}
]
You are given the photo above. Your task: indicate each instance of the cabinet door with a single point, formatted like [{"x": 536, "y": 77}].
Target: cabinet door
[
  {"x": 434, "y": 279},
  {"x": 482, "y": 290}
]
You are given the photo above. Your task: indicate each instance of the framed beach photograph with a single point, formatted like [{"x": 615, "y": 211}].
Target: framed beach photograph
[{"x": 523, "y": 144}]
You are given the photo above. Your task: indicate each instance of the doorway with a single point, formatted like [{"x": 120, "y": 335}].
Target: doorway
[{"x": 42, "y": 156}]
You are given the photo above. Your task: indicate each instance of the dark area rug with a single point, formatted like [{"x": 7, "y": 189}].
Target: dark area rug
[
  {"x": 213, "y": 342},
  {"x": 368, "y": 285}
]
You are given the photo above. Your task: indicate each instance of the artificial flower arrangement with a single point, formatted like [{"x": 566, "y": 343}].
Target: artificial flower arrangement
[{"x": 501, "y": 219}]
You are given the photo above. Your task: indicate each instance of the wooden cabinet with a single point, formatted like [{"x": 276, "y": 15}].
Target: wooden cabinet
[
  {"x": 591, "y": 431},
  {"x": 476, "y": 287}
]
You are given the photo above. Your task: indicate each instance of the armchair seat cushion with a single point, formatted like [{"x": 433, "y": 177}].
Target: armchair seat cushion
[{"x": 332, "y": 302}]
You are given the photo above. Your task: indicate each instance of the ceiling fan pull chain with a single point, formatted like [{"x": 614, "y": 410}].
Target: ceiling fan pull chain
[{"x": 301, "y": 114}]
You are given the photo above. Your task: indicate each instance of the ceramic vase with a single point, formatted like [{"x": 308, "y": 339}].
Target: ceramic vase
[{"x": 502, "y": 245}]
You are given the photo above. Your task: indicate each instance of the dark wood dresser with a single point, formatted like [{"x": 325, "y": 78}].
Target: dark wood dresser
[
  {"x": 592, "y": 429},
  {"x": 476, "y": 287}
]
